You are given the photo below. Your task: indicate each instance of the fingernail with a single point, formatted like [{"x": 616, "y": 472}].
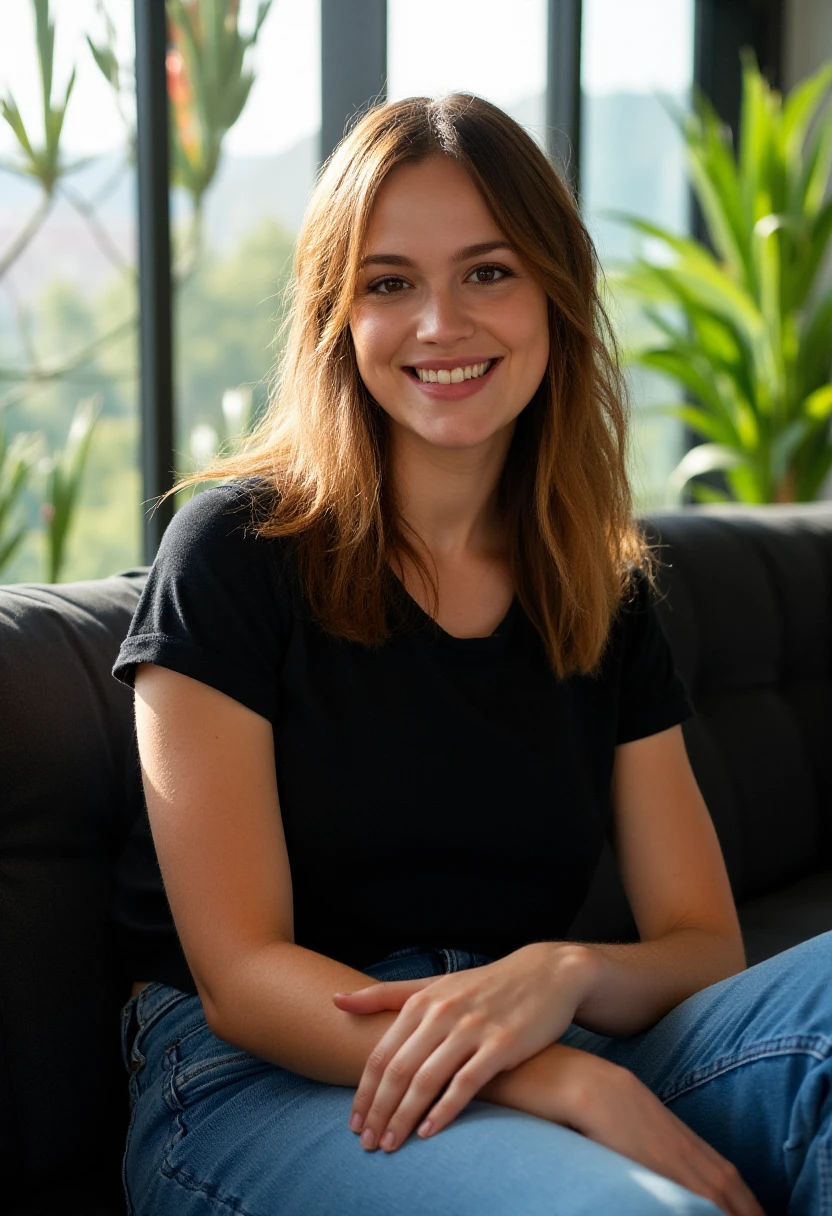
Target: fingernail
[
  {"x": 424, "y": 1128},
  {"x": 387, "y": 1140},
  {"x": 367, "y": 1138},
  {"x": 356, "y": 1121}
]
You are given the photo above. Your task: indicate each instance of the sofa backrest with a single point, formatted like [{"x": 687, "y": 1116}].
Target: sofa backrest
[
  {"x": 65, "y": 734},
  {"x": 747, "y": 608},
  {"x": 746, "y": 603}
]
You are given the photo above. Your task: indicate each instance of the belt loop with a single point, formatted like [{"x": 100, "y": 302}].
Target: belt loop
[
  {"x": 130, "y": 1035},
  {"x": 451, "y": 961}
]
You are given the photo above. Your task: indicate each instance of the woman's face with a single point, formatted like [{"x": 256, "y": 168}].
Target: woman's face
[{"x": 440, "y": 312}]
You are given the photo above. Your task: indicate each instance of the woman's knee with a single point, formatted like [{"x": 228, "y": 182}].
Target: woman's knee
[{"x": 505, "y": 1161}]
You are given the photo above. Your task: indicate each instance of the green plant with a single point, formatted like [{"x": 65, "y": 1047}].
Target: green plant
[
  {"x": 40, "y": 163},
  {"x": 17, "y": 460},
  {"x": 64, "y": 471},
  {"x": 754, "y": 349},
  {"x": 207, "y": 91}
]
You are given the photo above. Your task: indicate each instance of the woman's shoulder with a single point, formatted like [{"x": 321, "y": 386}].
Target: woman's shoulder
[
  {"x": 215, "y": 536},
  {"x": 222, "y": 511}
]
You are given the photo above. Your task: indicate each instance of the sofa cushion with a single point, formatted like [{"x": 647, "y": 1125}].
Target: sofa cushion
[
  {"x": 746, "y": 604},
  {"x": 749, "y": 619},
  {"x": 63, "y": 751}
]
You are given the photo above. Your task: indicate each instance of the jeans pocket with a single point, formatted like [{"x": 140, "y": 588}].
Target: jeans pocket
[
  {"x": 200, "y": 1063},
  {"x": 128, "y": 1030}
]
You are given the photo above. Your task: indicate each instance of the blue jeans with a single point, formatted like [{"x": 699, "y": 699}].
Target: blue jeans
[{"x": 746, "y": 1063}]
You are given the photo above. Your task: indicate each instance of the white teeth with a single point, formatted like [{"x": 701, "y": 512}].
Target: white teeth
[{"x": 453, "y": 375}]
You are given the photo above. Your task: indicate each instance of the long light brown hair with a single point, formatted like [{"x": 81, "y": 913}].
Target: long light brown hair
[{"x": 320, "y": 445}]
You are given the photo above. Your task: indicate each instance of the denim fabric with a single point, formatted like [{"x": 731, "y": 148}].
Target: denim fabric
[{"x": 746, "y": 1063}]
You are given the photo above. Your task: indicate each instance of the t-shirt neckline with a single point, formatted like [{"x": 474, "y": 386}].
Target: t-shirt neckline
[{"x": 492, "y": 641}]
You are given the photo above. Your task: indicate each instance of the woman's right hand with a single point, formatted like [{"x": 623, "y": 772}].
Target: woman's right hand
[{"x": 618, "y": 1110}]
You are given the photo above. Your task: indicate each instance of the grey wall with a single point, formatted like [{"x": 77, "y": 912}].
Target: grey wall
[
  {"x": 807, "y": 44},
  {"x": 807, "y": 37}
]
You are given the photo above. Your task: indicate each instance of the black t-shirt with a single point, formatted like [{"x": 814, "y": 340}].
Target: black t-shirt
[{"x": 435, "y": 791}]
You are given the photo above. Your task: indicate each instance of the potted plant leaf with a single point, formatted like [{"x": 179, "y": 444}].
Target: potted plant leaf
[{"x": 743, "y": 326}]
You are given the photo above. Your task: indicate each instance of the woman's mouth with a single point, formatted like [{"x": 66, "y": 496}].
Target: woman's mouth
[{"x": 454, "y": 392}]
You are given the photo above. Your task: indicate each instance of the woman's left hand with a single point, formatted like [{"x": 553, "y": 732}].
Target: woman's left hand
[{"x": 462, "y": 1028}]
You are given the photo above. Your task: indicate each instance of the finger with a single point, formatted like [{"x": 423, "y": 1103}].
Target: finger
[
  {"x": 395, "y": 1079},
  {"x": 359, "y": 994},
  {"x": 381, "y": 996},
  {"x": 733, "y": 1192},
  {"x": 385, "y": 1051},
  {"x": 731, "y": 1184},
  {"x": 466, "y": 1083},
  {"x": 427, "y": 1083},
  {"x": 723, "y": 1184}
]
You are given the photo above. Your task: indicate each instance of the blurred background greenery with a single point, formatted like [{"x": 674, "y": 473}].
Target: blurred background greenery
[{"x": 244, "y": 91}]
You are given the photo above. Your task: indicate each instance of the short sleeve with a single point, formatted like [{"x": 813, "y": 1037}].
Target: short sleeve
[
  {"x": 214, "y": 606},
  {"x": 653, "y": 695}
]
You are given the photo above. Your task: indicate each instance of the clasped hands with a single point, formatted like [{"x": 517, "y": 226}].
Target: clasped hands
[{"x": 458, "y": 1030}]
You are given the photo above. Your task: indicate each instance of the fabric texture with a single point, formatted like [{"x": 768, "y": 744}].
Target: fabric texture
[
  {"x": 434, "y": 790},
  {"x": 745, "y": 1063}
]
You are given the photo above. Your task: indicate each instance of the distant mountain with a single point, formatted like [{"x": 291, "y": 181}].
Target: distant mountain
[
  {"x": 631, "y": 159},
  {"x": 246, "y": 188}
]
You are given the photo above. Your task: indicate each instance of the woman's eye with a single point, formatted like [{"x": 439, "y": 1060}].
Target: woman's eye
[
  {"x": 374, "y": 288},
  {"x": 500, "y": 270}
]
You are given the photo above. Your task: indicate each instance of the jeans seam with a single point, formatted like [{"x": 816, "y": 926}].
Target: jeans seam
[
  {"x": 143, "y": 1025},
  {"x": 181, "y": 1077},
  {"x": 176, "y": 1174},
  {"x": 187, "y": 1184},
  {"x": 127, "y": 1141},
  {"x": 817, "y": 1045},
  {"x": 129, "y": 1032}
]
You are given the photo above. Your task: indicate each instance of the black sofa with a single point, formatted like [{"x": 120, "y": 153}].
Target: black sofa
[{"x": 747, "y": 609}]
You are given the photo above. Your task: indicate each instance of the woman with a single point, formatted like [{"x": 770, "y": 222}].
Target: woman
[{"x": 420, "y": 609}]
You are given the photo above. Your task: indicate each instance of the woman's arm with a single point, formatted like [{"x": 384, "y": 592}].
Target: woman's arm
[
  {"x": 555, "y": 1084},
  {"x": 608, "y": 1104},
  {"x": 212, "y": 799},
  {"x": 674, "y": 875}
]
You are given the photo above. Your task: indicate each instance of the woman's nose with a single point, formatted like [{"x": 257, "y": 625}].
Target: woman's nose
[{"x": 445, "y": 315}]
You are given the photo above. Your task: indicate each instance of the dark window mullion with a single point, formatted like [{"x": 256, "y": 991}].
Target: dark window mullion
[
  {"x": 353, "y": 64},
  {"x": 563, "y": 89},
  {"x": 155, "y": 303}
]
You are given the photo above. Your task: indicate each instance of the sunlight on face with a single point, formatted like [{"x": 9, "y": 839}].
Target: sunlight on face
[{"x": 485, "y": 306}]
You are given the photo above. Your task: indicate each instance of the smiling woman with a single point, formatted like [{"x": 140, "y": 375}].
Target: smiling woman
[
  {"x": 416, "y": 256},
  {"x": 357, "y": 787},
  {"x": 477, "y": 332}
]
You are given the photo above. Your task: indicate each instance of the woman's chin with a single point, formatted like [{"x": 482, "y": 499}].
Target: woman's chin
[{"x": 453, "y": 431}]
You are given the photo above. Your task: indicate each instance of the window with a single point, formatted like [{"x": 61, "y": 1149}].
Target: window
[
  {"x": 487, "y": 47},
  {"x": 632, "y": 159},
  {"x": 233, "y": 238},
  {"x": 68, "y": 295}
]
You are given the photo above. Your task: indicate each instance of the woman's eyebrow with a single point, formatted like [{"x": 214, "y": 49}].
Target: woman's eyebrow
[{"x": 470, "y": 251}]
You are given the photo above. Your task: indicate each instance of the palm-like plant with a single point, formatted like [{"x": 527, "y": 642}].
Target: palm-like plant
[
  {"x": 42, "y": 163},
  {"x": 18, "y": 458},
  {"x": 754, "y": 349},
  {"x": 64, "y": 473},
  {"x": 207, "y": 90}
]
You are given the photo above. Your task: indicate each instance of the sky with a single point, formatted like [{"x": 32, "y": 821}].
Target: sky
[{"x": 492, "y": 47}]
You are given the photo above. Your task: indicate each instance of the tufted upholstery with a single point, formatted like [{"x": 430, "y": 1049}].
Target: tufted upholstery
[
  {"x": 747, "y": 607},
  {"x": 748, "y": 614}
]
